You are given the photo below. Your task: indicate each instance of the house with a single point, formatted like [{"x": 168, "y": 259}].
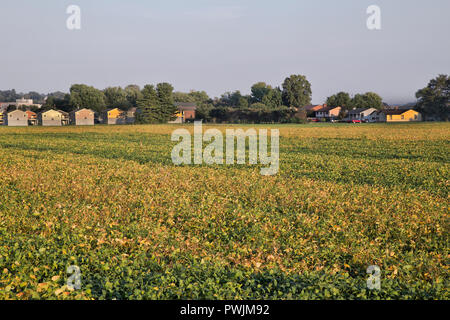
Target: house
[
  {"x": 114, "y": 116},
  {"x": 311, "y": 109},
  {"x": 328, "y": 112},
  {"x": 1, "y": 118},
  {"x": 186, "y": 112},
  {"x": 360, "y": 114},
  {"x": 65, "y": 118},
  {"x": 82, "y": 117},
  {"x": 16, "y": 118},
  {"x": 400, "y": 115},
  {"x": 50, "y": 118},
  {"x": 130, "y": 115},
  {"x": 32, "y": 118},
  {"x": 376, "y": 116},
  {"x": 3, "y": 106}
]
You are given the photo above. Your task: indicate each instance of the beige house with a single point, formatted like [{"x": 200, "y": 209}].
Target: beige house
[
  {"x": 131, "y": 115},
  {"x": 16, "y": 118},
  {"x": 50, "y": 118},
  {"x": 328, "y": 112},
  {"x": 363, "y": 114},
  {"x": 64, "y": 117},
  {"x": 82, "y": 117}
]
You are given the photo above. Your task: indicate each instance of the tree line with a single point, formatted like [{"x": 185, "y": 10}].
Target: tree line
[{"x": 284, "y": 103}]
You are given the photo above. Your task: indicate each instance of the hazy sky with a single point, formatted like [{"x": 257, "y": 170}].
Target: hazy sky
[{"x": 220, "y": 46}]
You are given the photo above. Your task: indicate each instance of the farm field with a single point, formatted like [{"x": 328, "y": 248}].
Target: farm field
[{"x": 109, "y": 200}]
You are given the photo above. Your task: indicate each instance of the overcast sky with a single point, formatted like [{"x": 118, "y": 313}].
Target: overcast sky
[{"x": 220, "y": 46}]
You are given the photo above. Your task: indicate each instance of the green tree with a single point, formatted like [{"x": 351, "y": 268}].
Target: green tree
[
  {"x": 116, "y": 97},
  {"x": 183, "y": 97},
  {"x": 433, "y": 100},
  {"x": 148, "y": 105},
  {"x": 203, "y": 112},
  {"x": 59, "y": 101},
  {"x": 231, "y": 99},
  {"x": 367, "y": 100},
  {"x": 259, "y": 106},
  {"x": 35, "y": 96},
  {"x": 358, "y": 101},
  {"x": 259, "y": 91},
  {"x": 373, "y": 100},
  {"x": 166, "y": 104},
  {"x": 9, "y": 95},
  {"x": 341, "y": 99},
  {"x": 273, "y": 98},
  {"x": 133, "y": 93},
  {"x": 199, "y": 97},
  {"x": 296, "y": 91},
  {"x": 243, "y": 102},
  {"x": 83, "y": 96}
]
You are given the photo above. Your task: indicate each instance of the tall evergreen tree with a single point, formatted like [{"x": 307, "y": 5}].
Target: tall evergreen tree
[
  {"x": 166, "y": 104},
  {"x": 434, "y": 100},
  {"x": 148, "y": 105}
]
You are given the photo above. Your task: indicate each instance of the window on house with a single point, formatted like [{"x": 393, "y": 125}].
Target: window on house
[
  {"x": 415, "y": 117},
  {"x": 403, "y": 117}
]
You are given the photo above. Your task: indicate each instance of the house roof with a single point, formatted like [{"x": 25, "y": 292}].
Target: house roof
[
  {"x": 51, "y": 110},
  {"x": 186, "y": 106},
  {"x": 396, "y": 111},
  {"x": 326, "y": 109},
  {"x": 83, "y": 109},
  {"x": 358, "y": 110},
  {"x": 63, "y": 112},
  {"x": 15, "y": 111}
]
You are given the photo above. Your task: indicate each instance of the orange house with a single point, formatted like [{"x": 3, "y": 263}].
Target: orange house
[{"x": 32, "y": 118}]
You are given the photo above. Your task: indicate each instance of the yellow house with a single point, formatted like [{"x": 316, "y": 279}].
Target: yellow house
[
  {"x": 115, "y": 116},
  {"x": 403, "y": 116}
]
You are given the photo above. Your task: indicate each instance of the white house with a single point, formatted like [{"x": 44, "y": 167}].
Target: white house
[{"x": 362, "y": 114}]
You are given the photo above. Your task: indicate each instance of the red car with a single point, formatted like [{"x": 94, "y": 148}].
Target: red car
[{"x": 354, "y": 121}]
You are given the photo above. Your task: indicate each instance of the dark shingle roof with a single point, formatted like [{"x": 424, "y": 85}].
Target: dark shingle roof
[
  {"x": 186, "y": 106},
  {"x": 396, "y": 111},
  {"x": 357, "y": 111}
]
